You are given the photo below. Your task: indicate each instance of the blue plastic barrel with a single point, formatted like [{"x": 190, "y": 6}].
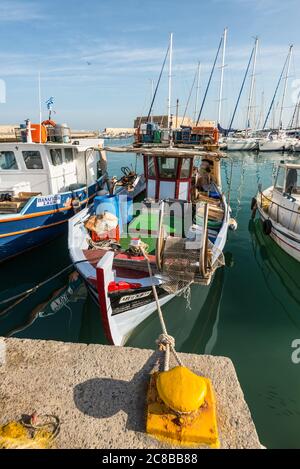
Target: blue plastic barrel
[
  {"x": 106, "y": 203},
  {"x": 125, "y": 203}
]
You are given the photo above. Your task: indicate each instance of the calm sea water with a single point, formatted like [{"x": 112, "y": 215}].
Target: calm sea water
[{"x": 251, "y": 312}]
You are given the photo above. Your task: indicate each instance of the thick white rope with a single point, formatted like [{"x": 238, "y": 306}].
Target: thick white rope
[{"x": 165, "y": 341}]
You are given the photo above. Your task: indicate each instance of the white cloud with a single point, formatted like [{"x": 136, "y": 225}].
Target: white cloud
[{"x": 16, "y": 11}]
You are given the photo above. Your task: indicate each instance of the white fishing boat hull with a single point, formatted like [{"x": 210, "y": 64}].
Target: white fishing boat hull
[
  {"x": 288, "y": 240},
  {"x": 123, "y": 312}
]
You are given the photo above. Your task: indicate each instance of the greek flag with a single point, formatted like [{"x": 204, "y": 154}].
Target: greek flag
[{"x": 50, "y": 103}]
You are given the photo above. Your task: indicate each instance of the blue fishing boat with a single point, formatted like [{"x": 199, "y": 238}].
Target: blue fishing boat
[{"x": 44, "y": 179}]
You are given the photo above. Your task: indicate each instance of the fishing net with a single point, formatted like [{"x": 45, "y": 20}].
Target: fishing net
[{"x": 181, "y": 265}]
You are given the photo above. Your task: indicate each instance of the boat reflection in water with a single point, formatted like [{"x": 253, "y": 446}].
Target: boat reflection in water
[
  {"x": 280, "y": 271},
  {"x": 191, "y": 321}
]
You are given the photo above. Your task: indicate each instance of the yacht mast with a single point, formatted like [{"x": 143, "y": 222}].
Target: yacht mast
[
  {"x": 170, "y": 80},
  {"x": 222, "y": 75},
  {"x": 250, "y": 101},
  {"x": 209, "y": 81},
  {"x": 285, "y": 85},
  {"x": 197, "y": 90}
]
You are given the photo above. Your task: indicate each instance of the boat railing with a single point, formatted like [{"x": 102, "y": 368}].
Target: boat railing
[{"x": 262, "y": 195}]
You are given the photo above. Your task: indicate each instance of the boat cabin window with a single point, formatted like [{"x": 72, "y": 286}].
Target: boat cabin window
[
  {"x": 69, "y": 155},
  {"x": 151, "y": 167},
  {"x": 185, "y": 168},
  {"x": 32, "y": 159},
  {"x": 292, "y": 182},
  {"x": 167, "y": 167},
  {"x": 8, "y": 160},
  {"x": 56, "y": 156},
  {"x": 279, "y": 183}
]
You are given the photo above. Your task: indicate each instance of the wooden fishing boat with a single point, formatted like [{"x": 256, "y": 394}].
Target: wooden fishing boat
[
  {"x": 279, "y": 209},
  {"x": 44, "y": 179},
  {"x": 167, "y": 228}
]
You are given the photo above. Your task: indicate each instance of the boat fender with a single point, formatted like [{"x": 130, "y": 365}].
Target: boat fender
[
  {"x": 76, "y": 204},
  {"x": 232, "y": 224},
  {"x": 253, "y": 203},
  {"x": 267, "y": 226}
]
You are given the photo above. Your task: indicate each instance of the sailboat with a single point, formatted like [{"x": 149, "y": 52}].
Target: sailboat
[{"x": 150, "y": 240}]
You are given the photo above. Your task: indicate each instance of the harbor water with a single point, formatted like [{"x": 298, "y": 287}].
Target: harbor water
[{"x": 250, "y": 312}]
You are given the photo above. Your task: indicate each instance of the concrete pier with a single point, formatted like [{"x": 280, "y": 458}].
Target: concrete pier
[{"x": 98, "y": 392}]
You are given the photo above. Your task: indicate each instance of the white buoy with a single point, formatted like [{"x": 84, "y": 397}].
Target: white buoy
[{"x": 232, "y": 224}]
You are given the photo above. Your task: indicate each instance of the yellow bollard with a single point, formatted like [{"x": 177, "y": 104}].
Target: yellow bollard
[{"x": 181, "y": 408}]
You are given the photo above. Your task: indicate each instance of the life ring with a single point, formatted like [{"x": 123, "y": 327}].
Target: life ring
[
  {"x": 253, "y": 203},
  {"x": 49, "y": 122},
  {"x": 267, "y": 226}
]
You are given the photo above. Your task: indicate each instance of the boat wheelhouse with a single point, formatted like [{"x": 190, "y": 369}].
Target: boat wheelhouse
[
  {"x": 279, "y": 209},
  {"x": 41, "y": 186},
  {"x": 175, "y": 224}
]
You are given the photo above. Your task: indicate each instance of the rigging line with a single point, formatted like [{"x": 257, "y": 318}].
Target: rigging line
[
  {"x": 275, "y": 93},
  {"x": 188, "y": 100},
  {"x": 241, "y": 90},
  {"x": 158, "y": 82},
  {"x": 209, "y": 81}
]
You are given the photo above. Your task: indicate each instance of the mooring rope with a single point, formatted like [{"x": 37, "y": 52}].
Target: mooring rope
[{"x": 165, "y": 341}]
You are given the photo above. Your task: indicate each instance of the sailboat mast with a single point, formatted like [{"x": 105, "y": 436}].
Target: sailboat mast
[
  {"x": 209, "y": 81},
  {"x": 197, "y": 90},
  {"x": 170, "y": 80},
  {"x": 250, "y": 101},
  {"x": 222, "y": 75},
  {"x": 285, "y": 85},
  {"x": 275, "y": 92},
  {"x": 241, "y": 90}
]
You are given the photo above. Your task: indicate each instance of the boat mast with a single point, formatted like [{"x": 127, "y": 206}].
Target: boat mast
[
  {"x": 152, "y": 93},
  {"x": 209, "y": 81},
  {"x": 241, "y": 90},
  {"x": 285, "y": 85},
  {"x": 170, "y": 80},
  {"x": 197, "y": 90},
  {"x": 222, "y": 75},
  {"x": 275, "y": 92},
  {"x": 250, "y": 101}
]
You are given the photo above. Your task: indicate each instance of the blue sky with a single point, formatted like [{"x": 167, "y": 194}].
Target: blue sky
[{"x": 124, "y": 43}]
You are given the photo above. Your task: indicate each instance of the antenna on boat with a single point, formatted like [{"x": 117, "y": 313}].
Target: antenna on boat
[
  {"x": 40, "y": 106},
  {"x": 209, "y": 80},
  {"x": 285, "y": 85},
  {"x": 276, "y": 89},
  {"x": 170, "y": 80},
  {"x": 197, "y": 90},
  {"x": 251, "y": 86},
  {"x": 222, "y": 75}
]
